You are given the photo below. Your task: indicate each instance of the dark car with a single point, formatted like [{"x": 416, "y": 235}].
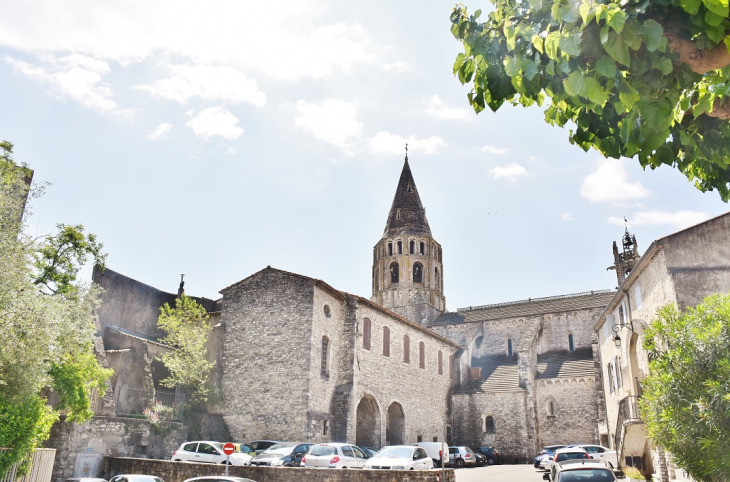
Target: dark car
[
  {"x": 490, "y": 453},
  {"x": 481, "y": 459},
  {"x": 282, "y": 455},
  {"x": 547, "y": 451},
  {"x": 260, "y": 445}
]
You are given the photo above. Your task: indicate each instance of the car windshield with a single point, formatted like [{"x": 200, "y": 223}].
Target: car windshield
[
  {"x": 571, "y": 456},
  {"x": 243, "y": 448},
  {"x": 217, "y": 445},
  {"x": 322, "y": 450},
  {"x": 586, "y": 475},
  {"x": 396, "y": 453},
  {"x": 280, "y": 449}
]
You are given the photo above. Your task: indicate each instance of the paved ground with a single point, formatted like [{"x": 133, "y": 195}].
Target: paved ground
[{"x": 500, "y": 473}]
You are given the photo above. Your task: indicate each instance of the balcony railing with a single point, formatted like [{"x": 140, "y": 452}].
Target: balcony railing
[{"x": 628, "y": 413}]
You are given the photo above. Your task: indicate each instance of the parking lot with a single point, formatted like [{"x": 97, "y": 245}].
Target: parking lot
[{"x": 500, "y": 473}]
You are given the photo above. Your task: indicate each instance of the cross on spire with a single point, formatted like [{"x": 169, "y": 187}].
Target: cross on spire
[{"x": 406, "y": 151}]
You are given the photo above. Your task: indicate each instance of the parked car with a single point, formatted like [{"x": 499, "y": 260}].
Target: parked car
[
  {"x": 368, "y": 450},
  {"x": 547, "y": 451},
  {"x": 208, "y": 453},
  {"x": 600, "y": 452},
  {"x": 288, "y": 454},
  {"x": 218, "y": 478},
  {"x": 261, "y": 445},
  {"x": 462, "y": 456},
  {"x": 245, "y": 449},
  {"x": 568, "y": 453},
  {"x": 85, "y": 479},
  {"x": 438, "y": 451},
  {"x": 335, "y": 456},
  {"x": 583, "y": 471},
  {"x": 135, "y": 478},
  {"x": 481, "y": 459},
  {"x": 490, "y": 453},
  {"x": 400, "y": 457}
]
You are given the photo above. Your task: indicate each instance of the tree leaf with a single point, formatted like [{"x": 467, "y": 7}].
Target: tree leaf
[
  {"x": 552, "y": 42},
  {"x": 586, "y": 12},
  {"x": 570, "y": 44},
  {"x": 654, "y": 34},
  {"x": 575, "y": 84},
  {"x": 595, "y": 92},
  {"x": 459, "y": 61},
  {"x": 616, "y": 18},
  {"x": 606, "y": 66},
  {"x": 618, "y": 49},
  {"x": 691, "y": 6},
  {"x": 529, "y": 68}
]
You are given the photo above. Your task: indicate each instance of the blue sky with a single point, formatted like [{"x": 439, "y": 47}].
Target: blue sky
[{"x": 216, "y": 138}]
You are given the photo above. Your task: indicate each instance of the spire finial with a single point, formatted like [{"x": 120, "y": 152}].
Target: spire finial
[{"x": 406, "y": 151}]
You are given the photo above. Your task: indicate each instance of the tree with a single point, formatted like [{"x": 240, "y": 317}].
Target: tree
[
  {"x": 686, "y": 399},
  {"x": 645, "y": 79},
  {"x": 47, "y": 332},
  {"x": 187, "y": 331}
]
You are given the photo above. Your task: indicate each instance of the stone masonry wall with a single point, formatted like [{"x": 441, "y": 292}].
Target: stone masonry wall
[
  {"x": 266, "y": 357},
  {"x": 574, "y": 411},
  {"x": 179, "y": 472}
]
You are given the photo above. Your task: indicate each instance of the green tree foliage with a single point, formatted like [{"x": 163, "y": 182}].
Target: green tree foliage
[
  {"x": 46, "y": 333},
  {"x": 645, "y": 79},
  {"x": 686, "y": 399},
  {"x": 187, "y": 331}
]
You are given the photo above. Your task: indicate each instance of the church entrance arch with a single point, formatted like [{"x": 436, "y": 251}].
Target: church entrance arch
[
  {"x": 395, "y": 426},
  {"x": 368, "y": 422}
]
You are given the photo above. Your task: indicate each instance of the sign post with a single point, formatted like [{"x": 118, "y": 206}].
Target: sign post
[{"x": 228, "y": 449}]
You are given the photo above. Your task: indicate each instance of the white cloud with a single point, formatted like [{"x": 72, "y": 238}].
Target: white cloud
[
  {"x": 332, "y": 121},
  {"x": 214, "y": 121},
  {"x": 679, "y": 219},
  {"x": 495, "y": 150},
  {"x": 436, "y": 107},
  {"x": 608, "y": 183},
  {"x": 511, "y": 171},
  {"x": 386, "y": 143},
  {"x": 221, "y": 84},
  {"x": 160, "y": 132},
  {"x": 566, "y": 217},
  {"x": 396, "y": 67},
  {"x": 73, "y": 77}
]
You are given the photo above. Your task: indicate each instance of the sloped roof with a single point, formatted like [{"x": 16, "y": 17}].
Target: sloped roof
[
  {"x": 561, "y": 364},
  {"x": 499, "y": 374},
  {"x": 529, "y": 307},
  {"x": 138, "y": 336},
  {"x": 407, "y": 215}
]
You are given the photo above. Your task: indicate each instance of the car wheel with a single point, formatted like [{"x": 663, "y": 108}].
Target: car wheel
[
  {"x": 459, "y": 463},
  {"x": 490, "y": 461}
]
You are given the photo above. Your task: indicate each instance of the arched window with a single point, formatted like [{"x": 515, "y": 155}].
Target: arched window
[
  {"x": 417, "y": 273},
  {"x": 390, "y": 249},
  {"x": 366, "y": 328},
  {"x": 423, "y": 248},
  {"x": 325, "y": 369},
  {"x": 509, "y": 347},
  {"x": 400, "y": 247},
  {"x": 394, "y": 272},
  {"x": 386, "y": 341},
  {"x": 550, "y": 409},
  {"x": 441, "y": 363},
  {"x": 413, "y": 247},
  {"x": 421, "y": 355},
  {"x": 489, "y": 424},
  {"x": 406, "y": 349},
  {"x": 571, "y": 345}
]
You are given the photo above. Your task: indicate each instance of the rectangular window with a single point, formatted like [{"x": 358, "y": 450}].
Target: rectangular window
[
  {"x": 325, "y": 357},
  {"x": 610, "y": 377},
  {"x": 386, "y": 341},
  {"x": 324, "y": 427},
  {"x": 637, "y": 295},
  {"x": 406, "y": 349},
  {"x": 421, "y": 355},
  {"x": 419, "y": 438},
  {"x": 435, "y": 439},
  {"x": 452, "y": 368},
  {"x": 366, "y": 328},
  {"x": 441, "y": 365}
]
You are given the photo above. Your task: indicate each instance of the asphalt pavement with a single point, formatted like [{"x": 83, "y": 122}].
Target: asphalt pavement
[{"x": 500, "y": 473}]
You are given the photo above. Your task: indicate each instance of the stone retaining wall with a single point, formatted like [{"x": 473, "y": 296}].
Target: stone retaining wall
[{"x": 180, "y": 471}]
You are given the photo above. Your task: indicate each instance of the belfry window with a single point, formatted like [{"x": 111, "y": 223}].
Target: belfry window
[
  {"x": 438, "y": 280},
  {"x": 394, "y": 272},
  {"x": 423, "y": 248},
  {"x": 417, "y": 273},
  {"x": 400, "y": 247},
  {"x": 413, "y": 248},
  {"x": 390, "y": 249}
]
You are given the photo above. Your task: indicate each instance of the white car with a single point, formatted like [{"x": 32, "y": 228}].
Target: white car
[
  {"x": 335, "y": 456},
  {"x": 208, "y": 453},
  {"x": 462, "y": 456},
  {"x": 565, "y": 455},
  {"x": 400, "y": 457},
  {"x": 582, "y": 470},
  {"x": 599, "y": 452}
]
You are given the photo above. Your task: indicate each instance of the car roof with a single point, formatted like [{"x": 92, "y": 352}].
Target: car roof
[
  {"x": 570, "y": 450},
  {"x": 219, "y": 477},
  {"x": 333, "y": 444},
  {"x": 582, "y": 464}
]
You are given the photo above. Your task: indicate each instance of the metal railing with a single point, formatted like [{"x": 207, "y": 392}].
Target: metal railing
[
  {"x": 628, "y": 413},
  {"x": 151, "y": 404},
  {"x": 41, "y": 467}
]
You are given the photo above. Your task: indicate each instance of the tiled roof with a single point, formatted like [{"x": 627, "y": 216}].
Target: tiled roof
[
  {"x": 565, "y": 364},
  {"x": 499, "y": 374},
  {"x": 529, "y": 307},
  {"x": 138, "y": 336}
]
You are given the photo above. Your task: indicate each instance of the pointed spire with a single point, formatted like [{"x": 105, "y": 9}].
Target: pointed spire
[{"x": 407, "y": 215}]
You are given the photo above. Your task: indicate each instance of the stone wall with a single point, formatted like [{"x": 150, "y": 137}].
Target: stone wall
[
  {"x": 179, "y": 472},
  {"x": 111, "y": 437},
  {"x": 574, "y": 411}
]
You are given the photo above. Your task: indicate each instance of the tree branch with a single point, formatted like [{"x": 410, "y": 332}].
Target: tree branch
[{"x": 700, "y": 61}]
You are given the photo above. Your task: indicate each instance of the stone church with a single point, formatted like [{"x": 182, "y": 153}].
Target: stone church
[{"x": 298, "y": 359}]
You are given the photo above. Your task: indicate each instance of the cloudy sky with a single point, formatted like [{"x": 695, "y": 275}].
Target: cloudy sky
[{"x": 215, "y": 138}]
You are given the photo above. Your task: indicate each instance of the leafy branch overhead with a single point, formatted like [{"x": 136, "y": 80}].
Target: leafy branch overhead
[{"x": 636, "y": 78}]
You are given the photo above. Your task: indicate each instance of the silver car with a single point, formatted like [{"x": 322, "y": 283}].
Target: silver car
[{"x": 335, "y": 456}]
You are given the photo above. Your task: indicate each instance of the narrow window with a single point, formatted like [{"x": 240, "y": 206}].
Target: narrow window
[
  {"x": 406, "y": 349},
  {"x": 619, "y": 375},
  {"x": 394, "y": 272},
  {"x": 386, "y": 341},
  {"x": 390, "y": 249},
  {"x": 438, "y": 280},
  {"x": 609, "y": 368},
  {"x": 550, "y": 409},
  {"x": 489, "y": 424},
  {"x": 621, "y": 319},
  {"x": 366, "y": 333},
  {"x": 418, "y": 273},
  {"x": 412, "y": 249},
  {"x": 452, "y": 370},
  {"x": 421, "y": 355},
  {"x": 324, "y": 427},
  {"x": 441, "y": 363},
  {"x": 400, "y": 247},
  {"x": 325, "y": 356},
  {"x": 397, "y": 214},
  {"x": 571, "y": 345},
  {"x": 509, "y": 347},
  {"x": 637, "y": 296},
  {"x": 423, "y": 248}
]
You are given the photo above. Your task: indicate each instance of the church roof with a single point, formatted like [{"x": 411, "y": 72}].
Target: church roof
[
  {"x": 407, "y": 215},
  {"x": 529, "y": 307},
  {"x": 562, "y": 364}
]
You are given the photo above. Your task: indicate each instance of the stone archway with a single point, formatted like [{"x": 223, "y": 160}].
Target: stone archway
[
  {"x": 368, "y": 423},
  {"x": 395, "y": 425}
]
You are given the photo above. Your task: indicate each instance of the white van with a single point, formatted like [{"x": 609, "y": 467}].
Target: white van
[{"x": 438, "y": 451}]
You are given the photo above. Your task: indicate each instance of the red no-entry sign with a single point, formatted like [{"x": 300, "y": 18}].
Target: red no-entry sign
[{"x": 228, "y": 448}]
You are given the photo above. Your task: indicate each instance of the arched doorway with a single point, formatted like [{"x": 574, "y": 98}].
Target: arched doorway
[
  {"x": 368, "y": 423},
  {"x": 395, "y": 425}
]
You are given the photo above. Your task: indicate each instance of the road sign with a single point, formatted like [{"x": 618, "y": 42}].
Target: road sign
[{"x": 228, "y": 448}]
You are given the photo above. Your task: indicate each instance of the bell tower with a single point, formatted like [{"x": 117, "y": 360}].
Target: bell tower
[{"x": 408, "y": 275}]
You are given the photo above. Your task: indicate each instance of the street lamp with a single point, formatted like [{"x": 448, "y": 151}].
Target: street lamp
[{"x": 616, "y": 328}]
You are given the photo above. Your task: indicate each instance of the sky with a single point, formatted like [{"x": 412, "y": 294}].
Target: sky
[{"x": 216, "y": 138}]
